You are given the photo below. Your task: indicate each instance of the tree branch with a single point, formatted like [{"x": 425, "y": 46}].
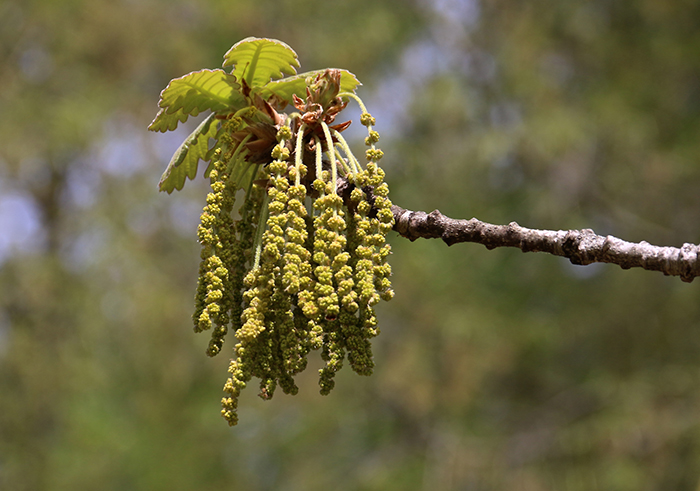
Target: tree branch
[{"x": 579, "y": 246}]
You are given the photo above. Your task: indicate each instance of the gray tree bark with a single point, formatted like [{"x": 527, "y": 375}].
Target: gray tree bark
[{"x": 579, "y": 246}]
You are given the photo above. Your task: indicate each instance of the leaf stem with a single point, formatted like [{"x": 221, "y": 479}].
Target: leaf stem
[
  {"x": 299, "y": 153},
  {"x": 346, "y": 148},
  {"x": 357, "y": 99},
  {"x": 319, "y": 159},
  {"x": 331, "y": 155},
  {"x": 346, "y": 168},
  {"x": 236, "y": 153},
  {"x": 262, "y": 220}
]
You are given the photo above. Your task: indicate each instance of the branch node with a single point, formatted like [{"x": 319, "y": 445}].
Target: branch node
[
  {"x": 689, "y": 262},
  {"x": 570, "y": 246}
]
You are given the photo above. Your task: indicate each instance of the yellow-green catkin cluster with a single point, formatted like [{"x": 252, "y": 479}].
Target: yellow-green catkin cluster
[
  {"x": 226, "y": 249},
  {"x": 308, "y": 275},
  {"x": 272, "y": 342},
  {"x": 214, "y": 299},
  {"x": 370, "y": 223}
]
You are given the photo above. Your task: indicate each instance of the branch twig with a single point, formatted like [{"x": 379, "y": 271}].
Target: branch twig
[{"x": 579, "y": 246}]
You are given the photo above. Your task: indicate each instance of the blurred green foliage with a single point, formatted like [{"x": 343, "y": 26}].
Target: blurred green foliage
[{"x": 495, "y": 370}]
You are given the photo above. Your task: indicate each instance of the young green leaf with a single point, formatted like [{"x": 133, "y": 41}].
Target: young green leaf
[
  {"x": 258, "y": 60},
  {"x": 282, "y": 90},
  {"x": 196, "y": 92},
  {"x": 186, "y": 159}
]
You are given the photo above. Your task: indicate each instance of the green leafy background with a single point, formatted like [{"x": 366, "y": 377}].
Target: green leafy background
[{"x": 495, "y": 369}]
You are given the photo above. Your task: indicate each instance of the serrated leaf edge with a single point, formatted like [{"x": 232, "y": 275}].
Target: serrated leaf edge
[{"x": 181, "y": 154}]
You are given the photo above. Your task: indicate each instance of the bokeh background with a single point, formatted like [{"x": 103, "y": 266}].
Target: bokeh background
[{"x": 495, "y": 369}]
